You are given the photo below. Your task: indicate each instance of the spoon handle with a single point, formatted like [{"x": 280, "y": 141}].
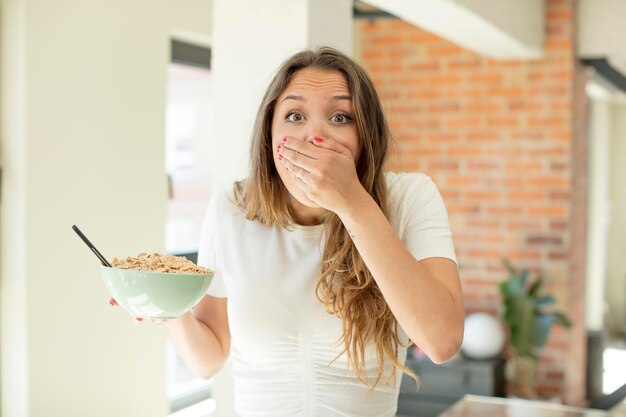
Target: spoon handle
[{"x": 91, "y": 246}]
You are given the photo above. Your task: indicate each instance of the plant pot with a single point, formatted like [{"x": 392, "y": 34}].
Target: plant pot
[{"x": 522, "y": 376}]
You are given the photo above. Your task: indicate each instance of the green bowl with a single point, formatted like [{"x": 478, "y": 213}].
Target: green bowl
[{"x": 155, "y": 294}]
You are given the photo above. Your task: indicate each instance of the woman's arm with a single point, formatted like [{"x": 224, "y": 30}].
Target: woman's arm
[
  {"x": 202, "y": 336},
  {"x": 424, "y": 296}
]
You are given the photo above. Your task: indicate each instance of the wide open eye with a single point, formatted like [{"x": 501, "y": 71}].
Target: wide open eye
[
  {"x": 341, "y": 118},
  {"x": 294, "y": 117}
]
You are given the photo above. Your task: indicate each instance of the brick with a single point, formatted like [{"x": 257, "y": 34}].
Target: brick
[
  {"x": 444, "y": 51},
  {"x": 525, "y": 196},
  {"x": 524, "y": 105},
  {"x": 510, "y": 121},
  {"x": 525, "y": 225},
  {"x": 548, "y": 181},
  {"x": 372, "y": 55},
  {"x": 424, "y": 151},
  {"x": 510, "y": 92},
  {"x": 483, "y": 224},
  {"x": 421, "y": 36},
  {"x": 425, "y": 67},
  {"x": 559, "y": 44},
  {"x": 485, "y": 253},
  {"x": 465, "y": 151},
  {"x": 448, "y": 194},
  {"x": 461, "y": 180},
  {"x": 464, "y": 122},
  {"x": 485, "y": 136},
  {"x": 547, "y": 211},
  {"x": 488, "y": 107},
  {"x": 483, "y": 165},
  {"x": 405, "y": 82},
  {"x": 559, "y": 195},
  {"x": 445, "y": 79},
  {"x": 515, "y": 166},
  {"x": 452, "y": 107},
  {"x": 528, "y": 136},
  {"x": 549, "y": 91},
  {"x": 424, "y": 94},
  {"x": 504, "y": 210},
  {"x": 543, "y": 240},
  {"x": 387, "y": 68},
  {"x": 547, "y": 152},
  {"x": 464, "y": 209},
  {"x": 486, "y": 77},
  {"x": 524, "y": 255},
  {"x": 388, "y": 41},
  {"x": 558, "y": 256},
  {"x": 562, "y": 135},
  {"x": 559, "y": 14},
  {"x": 547, "y": 121},
  {"x": 483, "y": 195},
  {"x": 444, "y": 166},
  {"x": 557, "y": 225},
  {"x": 463, "y": 64}
]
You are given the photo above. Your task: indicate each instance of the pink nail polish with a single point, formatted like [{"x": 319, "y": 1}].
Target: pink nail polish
[
  {"x": 318, "y": 140},
  {"x": 284, "y": 140}
]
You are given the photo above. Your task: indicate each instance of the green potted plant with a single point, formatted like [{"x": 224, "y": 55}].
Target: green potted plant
[{"x": 528, "y": 325}]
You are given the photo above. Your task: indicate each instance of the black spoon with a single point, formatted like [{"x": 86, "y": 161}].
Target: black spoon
[{"x": 91, "y": 246}]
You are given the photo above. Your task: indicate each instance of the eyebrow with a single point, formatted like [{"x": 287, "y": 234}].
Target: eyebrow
[{"x": 333, "y": 98}]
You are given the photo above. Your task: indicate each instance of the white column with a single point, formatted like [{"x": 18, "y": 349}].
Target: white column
[
  {"x": 598, "y": 216},
  {"x": 250, "y": 40},
  {"x": 616, "y": 266},
  {"x": 83, "y": 113}
]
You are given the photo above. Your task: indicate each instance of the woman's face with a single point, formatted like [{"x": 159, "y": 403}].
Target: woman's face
[{"x": 316, "y": 103}]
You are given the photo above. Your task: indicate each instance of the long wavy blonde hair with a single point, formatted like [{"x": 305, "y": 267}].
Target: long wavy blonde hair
[{"x": 345, "y": 285}]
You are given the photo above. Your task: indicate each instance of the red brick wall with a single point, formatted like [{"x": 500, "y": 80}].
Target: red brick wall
[{"x": 497, "y": 137}]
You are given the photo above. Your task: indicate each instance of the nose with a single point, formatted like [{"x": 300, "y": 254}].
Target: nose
[{"x": 316, "y": 130}]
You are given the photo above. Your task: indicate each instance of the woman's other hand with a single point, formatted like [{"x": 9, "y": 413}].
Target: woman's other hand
[{"x": 324, "y": 169}]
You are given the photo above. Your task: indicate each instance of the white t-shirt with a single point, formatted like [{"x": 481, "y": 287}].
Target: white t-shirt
[{"x": 282, "y": 341}]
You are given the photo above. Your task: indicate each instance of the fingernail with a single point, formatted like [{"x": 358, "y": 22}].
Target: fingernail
[
  {"x": 278, "y": 148},
  {"x": 318, "y": 140},
  {"x": 280, "y": 157},
  {"x": 111, "y": 302},
  {"x": 284, "y": 140}
]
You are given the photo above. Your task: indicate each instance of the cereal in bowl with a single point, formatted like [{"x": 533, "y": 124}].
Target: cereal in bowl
[{"x": 155, "y": 262}]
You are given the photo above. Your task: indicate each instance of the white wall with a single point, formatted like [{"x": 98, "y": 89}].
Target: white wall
[{"x": 83, "y": 103}]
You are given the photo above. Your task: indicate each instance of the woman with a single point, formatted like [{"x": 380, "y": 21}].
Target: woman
[{"x": 327, "y": 266}]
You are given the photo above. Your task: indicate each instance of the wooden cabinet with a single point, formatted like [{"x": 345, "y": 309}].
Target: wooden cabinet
[{"x": 442, "y": 385}]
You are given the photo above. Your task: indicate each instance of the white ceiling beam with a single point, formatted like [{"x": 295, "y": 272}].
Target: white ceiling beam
[{"x": 511, "y": 29}]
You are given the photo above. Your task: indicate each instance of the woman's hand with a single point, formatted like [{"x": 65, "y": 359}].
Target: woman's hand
[{"x": 324, "y": 169}]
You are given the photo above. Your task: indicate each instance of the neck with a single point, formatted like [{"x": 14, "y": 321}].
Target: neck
[{"x": 304, "y": 215}]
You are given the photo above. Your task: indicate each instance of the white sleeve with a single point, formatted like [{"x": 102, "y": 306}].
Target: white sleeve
[
  {"x": 427, "y": 232},
  {"x": 208, "y": 247}
]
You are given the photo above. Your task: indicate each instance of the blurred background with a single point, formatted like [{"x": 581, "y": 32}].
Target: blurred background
[{"x": 123, "y": 117}]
